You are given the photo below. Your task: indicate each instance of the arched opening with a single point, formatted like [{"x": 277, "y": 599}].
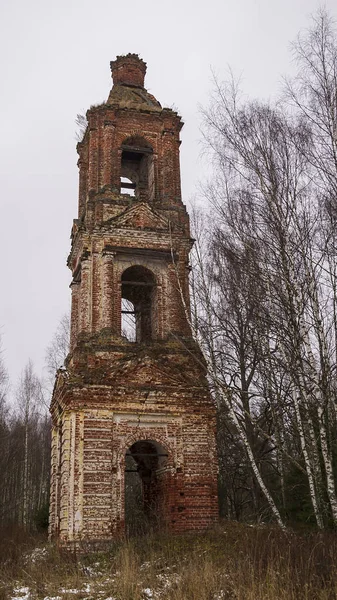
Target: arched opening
[
  {"x": 145, "y": 477},
  {"x": 137, "y": 170},
  {"x": 137, "y": 311}
]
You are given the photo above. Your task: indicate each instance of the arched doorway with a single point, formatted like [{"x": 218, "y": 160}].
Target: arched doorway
[{"x": 145, "y": 476}]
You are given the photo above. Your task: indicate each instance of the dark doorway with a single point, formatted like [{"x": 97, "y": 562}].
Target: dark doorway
[{"x": 145, "y": 469}]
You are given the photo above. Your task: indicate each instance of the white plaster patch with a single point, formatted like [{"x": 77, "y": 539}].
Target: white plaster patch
[{"x": 78, "y": 521}]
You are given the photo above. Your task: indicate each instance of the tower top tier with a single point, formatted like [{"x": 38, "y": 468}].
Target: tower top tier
[
  {"x": 128, "y": 70},
  {"x": 129, "y": 152}
]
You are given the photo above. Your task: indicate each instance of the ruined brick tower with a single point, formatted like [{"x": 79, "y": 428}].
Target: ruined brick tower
[{"x": 133, "y": 440}]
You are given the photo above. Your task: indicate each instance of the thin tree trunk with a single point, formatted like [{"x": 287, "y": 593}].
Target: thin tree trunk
[{"x": 308, "y": 466}]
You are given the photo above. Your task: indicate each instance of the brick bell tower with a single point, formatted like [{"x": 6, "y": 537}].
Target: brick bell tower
[{"x": 133, "y": 439}]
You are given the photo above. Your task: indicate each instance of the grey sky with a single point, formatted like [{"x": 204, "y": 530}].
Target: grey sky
[{"x": 54, "y": 58}]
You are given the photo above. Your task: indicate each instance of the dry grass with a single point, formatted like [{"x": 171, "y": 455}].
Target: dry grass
[{"x": 235, "y": 561}]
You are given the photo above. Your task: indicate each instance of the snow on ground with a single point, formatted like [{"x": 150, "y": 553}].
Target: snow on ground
[
  {"x": 100, "y": 584},
  {"x": 24, "y": 593},
  {"x": 37, "y": 555},
  {"x": 86, "y": 588},
  {"x": 92, "y": 571},
  {"x": 21, "y": 593}
]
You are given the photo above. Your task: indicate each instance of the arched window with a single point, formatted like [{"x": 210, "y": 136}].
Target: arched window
[
  {"x": 138, "y": 289},
  {"x": 137, "y": 171}
]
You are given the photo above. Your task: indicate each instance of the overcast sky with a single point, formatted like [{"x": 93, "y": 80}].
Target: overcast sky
[{"x": 54, "y": 58}]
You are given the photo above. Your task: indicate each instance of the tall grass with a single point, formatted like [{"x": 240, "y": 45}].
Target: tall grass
[{"x": 233, "y": 561}]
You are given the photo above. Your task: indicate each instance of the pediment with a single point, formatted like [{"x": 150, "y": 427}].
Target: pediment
[
  {"x": 140, "y": 216},
  {"x": 150, "y": 373}
]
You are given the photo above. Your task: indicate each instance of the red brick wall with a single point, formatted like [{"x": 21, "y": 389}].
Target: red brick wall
[{"x": 128, "y": 70}]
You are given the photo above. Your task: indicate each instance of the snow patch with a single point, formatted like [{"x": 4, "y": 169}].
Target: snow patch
[
  {"x": 36, "y": 555},
  {"x": 24, "y": 593},
  {"x": 91, "y": 571}
]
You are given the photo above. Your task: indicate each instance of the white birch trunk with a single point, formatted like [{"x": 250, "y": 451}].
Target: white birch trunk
[
  {"x": 321, "y": 402},
  {"x": 308, "y": 466},
  {"x": 253, "y": 464},
  {"x": 25, "y": 479},
  {"x": 330, "y": 481},
  {"x": 211, "y": 370}
]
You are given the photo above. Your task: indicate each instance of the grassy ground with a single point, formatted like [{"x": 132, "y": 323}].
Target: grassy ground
[{"x": 234, "y": 561}]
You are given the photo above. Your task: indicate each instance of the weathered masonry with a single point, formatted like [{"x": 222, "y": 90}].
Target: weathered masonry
[{"x": 133, "y": 441}]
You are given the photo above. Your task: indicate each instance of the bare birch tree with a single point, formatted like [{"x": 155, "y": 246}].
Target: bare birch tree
[
  {"x": 29, "y": 398},
  {"x": 272, "y": 259},
  {"x": 58, "y": 348}
]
